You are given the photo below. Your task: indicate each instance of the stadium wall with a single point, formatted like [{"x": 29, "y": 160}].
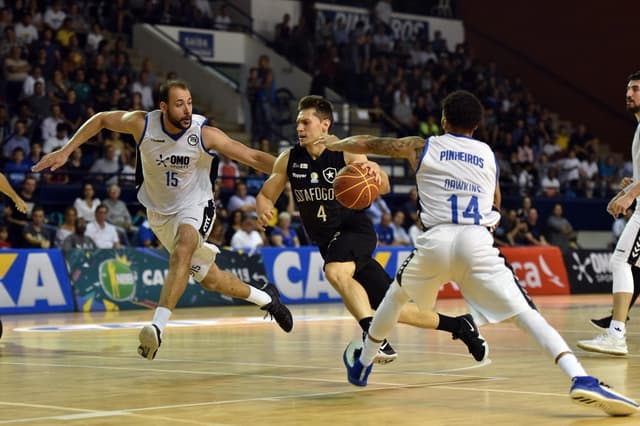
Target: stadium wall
[{"x": 575, "y": 57}]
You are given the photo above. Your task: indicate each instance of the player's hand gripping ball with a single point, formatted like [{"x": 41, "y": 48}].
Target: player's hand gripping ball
[{"x": 354, "y": 188}]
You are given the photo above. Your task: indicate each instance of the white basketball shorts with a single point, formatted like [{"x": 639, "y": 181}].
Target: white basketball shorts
[
  {"x": 464, "y": 254},
  {"x": 201, "y": 216}
]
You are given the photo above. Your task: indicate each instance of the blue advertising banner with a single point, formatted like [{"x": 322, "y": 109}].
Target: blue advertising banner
[
  {"x": 200, "y": 43},
  {"x": 297, "y": 272},
  {"x": 34, "y": 281}
]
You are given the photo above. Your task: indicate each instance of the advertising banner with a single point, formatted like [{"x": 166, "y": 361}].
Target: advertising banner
[
  {"x": 589, "y": 271},
  {"x": 404, "y": 26},
  {"x": 34, "y": 281},
  {"x": 132, "y": 278},
  {"x": 298, "y": 274},
  {"x": 540, "y": 270}
]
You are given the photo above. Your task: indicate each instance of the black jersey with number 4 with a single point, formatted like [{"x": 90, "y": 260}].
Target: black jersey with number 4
[{"x": 312, "y": 186}]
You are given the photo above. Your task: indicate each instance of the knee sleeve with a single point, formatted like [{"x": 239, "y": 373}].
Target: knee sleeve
[
  {"x": 532, "y": 323},
  {"x": 622, "y": 275},
  {"x": 375, "y": 281}
]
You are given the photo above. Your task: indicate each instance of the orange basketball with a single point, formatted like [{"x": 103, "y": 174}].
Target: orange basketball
[{"x": 354, "y": 188}]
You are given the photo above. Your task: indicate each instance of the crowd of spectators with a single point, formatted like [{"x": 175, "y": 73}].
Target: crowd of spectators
[
  {"x": 65, "y": 60},
  {"x": 402, "y": 82}
]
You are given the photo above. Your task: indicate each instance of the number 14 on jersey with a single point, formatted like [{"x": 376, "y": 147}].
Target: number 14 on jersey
[{"x": 472, "y": 210}]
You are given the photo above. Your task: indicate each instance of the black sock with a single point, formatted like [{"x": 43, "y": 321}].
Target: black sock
[
  {"x": 450, "y": 324},
  {"x": 365, "y": 323}
]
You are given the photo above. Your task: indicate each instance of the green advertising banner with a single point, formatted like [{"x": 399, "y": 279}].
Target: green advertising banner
[{"x": 131, "y": 278}]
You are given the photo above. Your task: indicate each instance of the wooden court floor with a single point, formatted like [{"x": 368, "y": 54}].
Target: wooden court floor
[{"x": 226, "y": 366}]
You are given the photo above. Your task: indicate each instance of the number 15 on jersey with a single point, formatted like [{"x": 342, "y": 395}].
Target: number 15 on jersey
[{"x": 172, "y": 179}]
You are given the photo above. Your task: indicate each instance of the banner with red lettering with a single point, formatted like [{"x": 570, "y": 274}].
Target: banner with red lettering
[{"x": 540, "y": 270}]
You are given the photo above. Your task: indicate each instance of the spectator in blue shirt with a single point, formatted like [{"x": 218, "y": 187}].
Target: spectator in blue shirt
[
  {"x": 283, "y": 235},
  {"x": 386, "y": 237}
]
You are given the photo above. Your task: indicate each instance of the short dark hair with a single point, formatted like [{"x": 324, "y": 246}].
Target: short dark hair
[
  {"x": 462, "y": 110},
  {"x": 634, "y": 76},
  {"x": 324, "y": 109},
  {"x": 166, "y": 87}
]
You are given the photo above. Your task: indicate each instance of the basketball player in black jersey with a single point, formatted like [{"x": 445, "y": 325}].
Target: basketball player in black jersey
[{"x": 346, "y": 238}]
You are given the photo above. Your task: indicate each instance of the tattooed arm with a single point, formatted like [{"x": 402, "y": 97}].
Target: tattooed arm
[{"x": 410, "y": 147}]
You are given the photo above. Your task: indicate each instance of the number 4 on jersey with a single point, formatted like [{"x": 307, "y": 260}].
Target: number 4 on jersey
[
  {"x": 471, "y": 212},
  {"x": 321, "y": 213}
]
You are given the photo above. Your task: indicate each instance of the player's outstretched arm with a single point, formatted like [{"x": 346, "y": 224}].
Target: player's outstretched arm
[
  {"x": 271, "y": 189},
  {"x": 217, "y": 140},
  {"x": 131, "y": 122},
  {"x": 6, "y": 188},
  {"x": 409, "y": 147}
]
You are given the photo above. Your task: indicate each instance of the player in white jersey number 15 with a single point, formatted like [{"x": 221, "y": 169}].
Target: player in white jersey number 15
[{"x": 176, "y": 150}]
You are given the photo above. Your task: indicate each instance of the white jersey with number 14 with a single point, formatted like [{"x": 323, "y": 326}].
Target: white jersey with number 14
[{"x": 456, "y": 178}]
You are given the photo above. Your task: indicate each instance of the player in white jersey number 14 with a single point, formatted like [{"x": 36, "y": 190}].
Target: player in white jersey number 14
[{"x": 457, "y": 245}]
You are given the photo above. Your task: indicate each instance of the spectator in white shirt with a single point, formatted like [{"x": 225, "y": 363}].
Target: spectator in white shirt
[
  {"x": 247, "y": 237},
  {"x": 94, "y": 37},
  {"x": 87, "y": 205},
  {"x": 28, "y": 85},
  {"x": 143, "y": 87},
  {"x": 58, "y": 141},
  {"x": 26, "y": 32},
  {"x": 222, "y": 21},
  {"x": 241, "y": 200},
  {"x": 49, "y": 125},
  {"x": 54, "y": 16},
  {"x": 108, "y": 166},
  {"x": 101, "y": 232}
]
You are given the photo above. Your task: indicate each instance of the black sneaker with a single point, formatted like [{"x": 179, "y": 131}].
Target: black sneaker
[
  {"x": 149, "y": 341},
  {"x": 471, "y": 337},
  {"x": 386, "y": 353},
  {"x": 603, "y": 323},
  {"x": 277, "y": 310}
]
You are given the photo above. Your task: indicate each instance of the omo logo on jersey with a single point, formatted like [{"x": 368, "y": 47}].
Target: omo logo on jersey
[{"x": 173, "y": 161}]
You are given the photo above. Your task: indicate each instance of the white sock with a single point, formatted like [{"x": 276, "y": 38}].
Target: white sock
[
  {"x": 571, "y": 366},
  {"x": 617, "y": 329},
  {"x": 369, "y": 351},
  {"x": 385, "y": 318},
  {"x": 258, "y": 297},
  {"x": 161, "y": 318}
]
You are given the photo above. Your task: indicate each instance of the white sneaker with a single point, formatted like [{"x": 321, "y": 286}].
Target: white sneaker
[
  {"x": 149, "y": 341},
  {"x": 606, "y": 344}
]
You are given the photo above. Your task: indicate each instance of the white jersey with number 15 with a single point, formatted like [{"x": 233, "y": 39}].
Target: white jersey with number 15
[{"x": 176, "y": 169}]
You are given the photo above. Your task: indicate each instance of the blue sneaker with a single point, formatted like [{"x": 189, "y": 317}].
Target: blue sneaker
[
  {"x": 587, "y": 390},
  {"x": 357, "y": 373}
]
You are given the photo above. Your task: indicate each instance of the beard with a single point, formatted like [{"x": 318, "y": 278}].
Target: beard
[{"x": 178, "y": 122}]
